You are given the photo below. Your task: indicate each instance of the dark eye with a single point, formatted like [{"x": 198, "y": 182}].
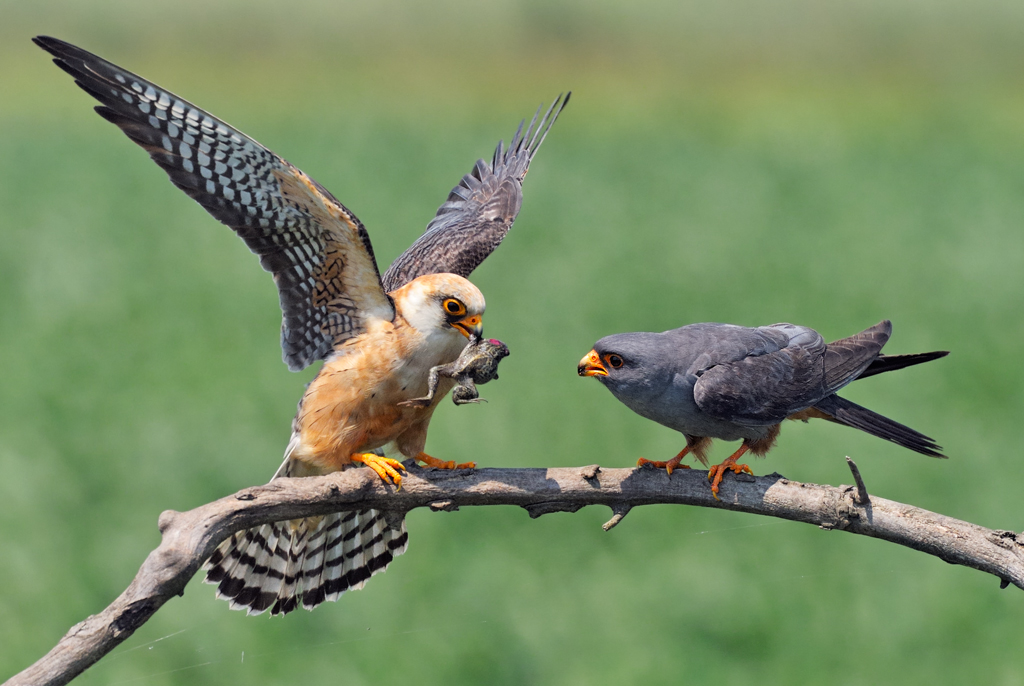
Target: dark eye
[
  {"x": 453, "y": 306},
  {"x": 615, "y": 361}
]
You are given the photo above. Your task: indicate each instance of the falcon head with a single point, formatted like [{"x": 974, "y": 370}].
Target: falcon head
[
  {"x": 638, "y": 369},
  {"x": 619, "y": 360},
  {"x": 446, "y": 305}
]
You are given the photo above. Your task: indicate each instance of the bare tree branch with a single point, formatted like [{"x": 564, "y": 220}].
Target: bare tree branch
[{"x": 190, "y": 537}]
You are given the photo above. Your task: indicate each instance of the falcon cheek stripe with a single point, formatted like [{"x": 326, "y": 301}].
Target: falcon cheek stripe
[{"x": 380, "y": 339}]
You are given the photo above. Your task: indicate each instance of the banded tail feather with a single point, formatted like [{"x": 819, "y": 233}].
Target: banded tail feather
[{"x": 281, "y": 565}]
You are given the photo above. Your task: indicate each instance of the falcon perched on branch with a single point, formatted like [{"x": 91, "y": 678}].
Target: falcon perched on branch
[
  {"x": 732, "y": 382},
  {"x": 379, "y": 337}
]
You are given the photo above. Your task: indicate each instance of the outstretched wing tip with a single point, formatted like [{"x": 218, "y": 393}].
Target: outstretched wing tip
[
  {"x": 540, "y": 132},
  {"x": 57, "y": 47},
  {"x": 318, "y": 251},
  {"x": 529, "y": 137},
  {"x": 44, "y": 41},
  {"x": 480, "y": 210}
]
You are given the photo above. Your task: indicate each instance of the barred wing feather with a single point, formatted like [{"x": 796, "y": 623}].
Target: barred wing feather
[{"x": 318, "y": 251}]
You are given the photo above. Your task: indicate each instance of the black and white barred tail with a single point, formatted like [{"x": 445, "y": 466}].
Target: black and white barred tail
[{"x": 304, "y": 561}]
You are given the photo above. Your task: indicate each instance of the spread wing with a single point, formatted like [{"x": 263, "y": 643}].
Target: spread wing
[
  {"x": 478, "y": 212},
  {"x": 318, "y": 251},
  {"x": 765, "y": 389}
]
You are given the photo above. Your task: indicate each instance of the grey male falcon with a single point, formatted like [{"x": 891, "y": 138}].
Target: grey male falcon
[
  {"x": 379, "y": 337},
  {"x": 733, "y": 382}
]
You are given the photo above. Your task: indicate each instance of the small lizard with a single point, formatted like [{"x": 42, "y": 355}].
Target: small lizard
[{"x": 478, "y": 363}]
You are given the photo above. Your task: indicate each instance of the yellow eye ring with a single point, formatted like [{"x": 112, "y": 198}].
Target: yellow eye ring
[{"x": 454, "y": 307}]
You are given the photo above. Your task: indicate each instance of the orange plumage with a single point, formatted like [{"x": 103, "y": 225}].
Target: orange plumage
[
  {"x": 379, "y": 336},
  {"x": 353, "y": 404}
]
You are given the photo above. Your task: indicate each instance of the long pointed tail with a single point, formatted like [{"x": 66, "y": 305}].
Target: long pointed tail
[
  {"x": 851, "y": 414},
  {"x": 278, "y": 566},
  {"x": 890, "y": 363}
]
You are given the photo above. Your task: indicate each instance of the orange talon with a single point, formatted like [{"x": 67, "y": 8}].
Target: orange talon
[
  {"x": 669, "y": 465},
  {"x": 434, "y": 462},
  {"x": 717, "y": 472},
  {"x": 441, "y": 464},
  {"x": 386, "y": 468}
]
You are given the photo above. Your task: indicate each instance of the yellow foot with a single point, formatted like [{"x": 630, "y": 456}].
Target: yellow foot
[
  {"x": 441, "y": 464},
  {"x": 716, "y": 472},
  {"x": 668, "y": 466},
  {"x": 386, "y": 468}
]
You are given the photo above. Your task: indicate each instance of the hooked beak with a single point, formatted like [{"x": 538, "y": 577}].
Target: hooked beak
[
  {"x": 591, "y": 366},
  {"x": 470, "y": 327}
]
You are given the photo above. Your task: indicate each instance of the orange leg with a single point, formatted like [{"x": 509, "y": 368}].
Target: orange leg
[
  {"x": 386, "y": 468},
  {"x": 668, "y": 466},
  {"x": 441, "y": 464},
  {"x": 716, "y": 473}
]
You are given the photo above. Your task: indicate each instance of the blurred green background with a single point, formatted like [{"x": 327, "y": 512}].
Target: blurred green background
[{"x": 830, "y": 164}]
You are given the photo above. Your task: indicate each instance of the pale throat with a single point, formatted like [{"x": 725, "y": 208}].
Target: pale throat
[{"x": 432, "y": 349}]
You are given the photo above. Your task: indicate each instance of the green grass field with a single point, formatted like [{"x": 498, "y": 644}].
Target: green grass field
[{"x": 829, "y": 168}]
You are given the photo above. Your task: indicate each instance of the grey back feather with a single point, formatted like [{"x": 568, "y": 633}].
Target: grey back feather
[{"x": 765, "y": 389}]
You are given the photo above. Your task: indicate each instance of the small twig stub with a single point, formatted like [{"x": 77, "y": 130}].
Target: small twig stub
[
  {"x": 862, "y": 490},
  {"x": 619, "y": 511}
]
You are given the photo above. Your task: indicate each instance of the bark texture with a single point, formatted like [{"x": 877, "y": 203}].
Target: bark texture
[{"x": 188, "y": 538}]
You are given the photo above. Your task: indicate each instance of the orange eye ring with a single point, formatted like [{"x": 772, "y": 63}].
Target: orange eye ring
[
  {"x": 615, "y": 361},
  {"x": 453, "y": 307}
]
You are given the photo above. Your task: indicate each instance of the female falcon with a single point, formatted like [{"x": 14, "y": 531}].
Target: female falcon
[{"x": 378, "y": 337}]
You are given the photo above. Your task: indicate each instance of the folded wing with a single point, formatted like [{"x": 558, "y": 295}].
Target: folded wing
[
  {"x": 479, "y": 211},
  {"x": 318, "y": 251},
  {"x": 765, "y": 389}
]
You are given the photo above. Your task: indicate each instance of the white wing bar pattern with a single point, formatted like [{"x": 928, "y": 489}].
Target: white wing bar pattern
[{"x": 318, "y": 251}]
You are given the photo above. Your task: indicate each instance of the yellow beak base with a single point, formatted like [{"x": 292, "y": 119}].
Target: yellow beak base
[
  {"x": 470, "y": 326},
  {"x": 591, "y": 365}
]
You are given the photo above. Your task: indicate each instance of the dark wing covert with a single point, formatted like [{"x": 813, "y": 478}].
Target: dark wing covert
[
  {"x": 765, "y": 389},
  {"x": 762, "y": 389}
]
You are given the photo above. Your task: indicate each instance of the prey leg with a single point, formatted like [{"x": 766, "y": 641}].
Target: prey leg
[
  {"x": 466, "y": 392},
  {"x": 441, "y": 464},
  {"x": 670, "y": 464},
  {"x": 716, "y": 472},
  {"x": 432, "y": 380},
  {"x": 386, "y": 468}
]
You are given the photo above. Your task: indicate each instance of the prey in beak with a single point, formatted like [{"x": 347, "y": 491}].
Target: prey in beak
[
  {"x": 591, "y": 365},
  {"x": 470, "y": 327}
]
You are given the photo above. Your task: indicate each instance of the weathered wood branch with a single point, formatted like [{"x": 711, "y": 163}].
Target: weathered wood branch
[{"x": 188, "y": 538}]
